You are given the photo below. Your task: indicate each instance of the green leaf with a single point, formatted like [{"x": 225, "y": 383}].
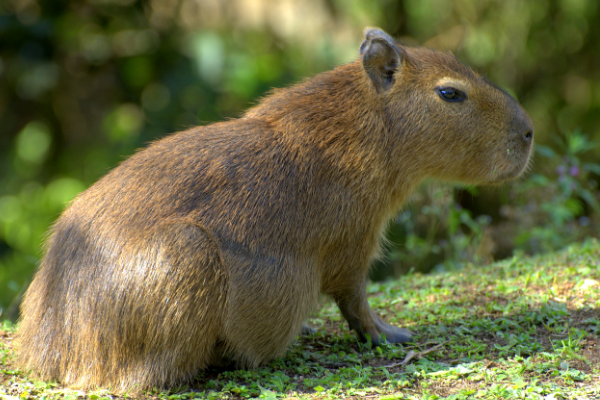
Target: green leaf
[
  {"x": 590, "y": 199},
  {"x": 545, "y": 151},
  {"x": 595, "y": 168}
]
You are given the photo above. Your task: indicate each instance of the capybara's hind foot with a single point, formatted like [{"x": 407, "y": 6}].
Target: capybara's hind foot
[{"x": 307, "y": 330}]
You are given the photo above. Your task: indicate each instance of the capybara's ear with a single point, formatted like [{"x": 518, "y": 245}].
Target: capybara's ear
[{"x": 382, "y": 59}]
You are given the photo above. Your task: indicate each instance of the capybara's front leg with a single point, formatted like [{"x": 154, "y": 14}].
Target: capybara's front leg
[{"x": 355, "y": 308}]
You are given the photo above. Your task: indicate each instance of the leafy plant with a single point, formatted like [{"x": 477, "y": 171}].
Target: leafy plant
[
  {"x": 558, "y": 207},
  {"x": 434, "y": 231}
]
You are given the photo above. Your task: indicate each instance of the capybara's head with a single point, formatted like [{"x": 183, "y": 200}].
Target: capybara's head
[{"x": 457, "y": 125}]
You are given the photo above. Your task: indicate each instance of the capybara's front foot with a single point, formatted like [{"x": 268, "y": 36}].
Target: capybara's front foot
[
  {"x": 381, "y": 332},
  {"x": 367, "y": 324}
]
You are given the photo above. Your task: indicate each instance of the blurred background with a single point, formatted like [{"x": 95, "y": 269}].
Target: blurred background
[{"x": 84, "y": 83}]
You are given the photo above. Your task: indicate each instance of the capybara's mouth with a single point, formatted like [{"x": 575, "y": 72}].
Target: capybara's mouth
[{"x": 513, "y": 168}]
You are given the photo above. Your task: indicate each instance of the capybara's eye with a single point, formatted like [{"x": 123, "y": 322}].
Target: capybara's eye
[{"x": 451, "y": 94}]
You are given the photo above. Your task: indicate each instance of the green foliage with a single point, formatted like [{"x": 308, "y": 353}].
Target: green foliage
[
  {"x": 434, "y": 230},
  {"x": 564, "y": 203}
]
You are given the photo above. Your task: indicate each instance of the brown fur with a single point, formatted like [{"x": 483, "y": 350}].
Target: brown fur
[{"x": 217, "y": 242}]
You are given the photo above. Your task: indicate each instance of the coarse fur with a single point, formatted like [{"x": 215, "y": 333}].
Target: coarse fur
[{"x": 216, "y": 243}]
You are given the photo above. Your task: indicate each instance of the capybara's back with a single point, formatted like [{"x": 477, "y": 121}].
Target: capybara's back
[{"x": 215, "y": 243}]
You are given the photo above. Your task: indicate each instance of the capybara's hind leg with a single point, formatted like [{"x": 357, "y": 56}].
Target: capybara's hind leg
[
  {"x": 185, "y": 306},
  {"x": 269, "y": 299},
  {"x": 146, "y": 314}
]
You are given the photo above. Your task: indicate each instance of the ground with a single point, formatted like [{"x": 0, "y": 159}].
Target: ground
[{"x": 527, "y": 327}]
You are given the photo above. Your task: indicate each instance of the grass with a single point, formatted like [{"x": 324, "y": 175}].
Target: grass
[{"x": 524, "y": 328}]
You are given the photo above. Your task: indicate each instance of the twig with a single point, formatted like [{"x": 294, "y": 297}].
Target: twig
[{"x": 413, "y": 354}]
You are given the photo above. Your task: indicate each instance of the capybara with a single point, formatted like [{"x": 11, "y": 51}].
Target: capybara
[{"x": 216, "y": 243}]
